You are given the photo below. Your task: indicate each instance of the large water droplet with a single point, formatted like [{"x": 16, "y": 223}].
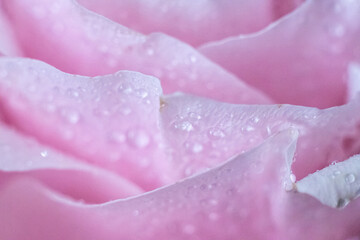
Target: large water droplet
[{"x": 350, "y": 178}]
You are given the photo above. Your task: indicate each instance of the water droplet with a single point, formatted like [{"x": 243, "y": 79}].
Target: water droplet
[
  {"x": 250, "y": 128},
  {"x": 138, "y": 138},
  {"x": 337, "y": 30},
  {"x": 150, "y": 51},
  {"x": 44, "y": 153},
  {"x": 184, "y": 126},
  {"x": 216, "y": 133},
  {"x": 142, "y": 93},
  {"x": 350, "y": 178},
  {"x": 194, "y": 116},
  {"x": 49, "y": 107},
  {"x": 268, "y": 129},
  {"x": 125, "y": 88},
  {"x": 194, "y": 147},
  {"x": 193, "y": 59},
  {"x": 70, "y": 115},
  {"x": 136, "y": 213},
  {"x": 189, "y": 229},
  {"x": 337, "y": 172},
  {"x": 72, "y": 93},
  {"x": 117, "y": 137},
  {"x": 125, "y": 111}
]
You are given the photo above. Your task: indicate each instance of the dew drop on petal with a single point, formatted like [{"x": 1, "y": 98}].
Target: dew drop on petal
[
  {"x": 44, "y": 153},
  {"x": 70, "y": 115},
  {"x": 350, "y": 178},
  {"x": 138, "y": 138},
  {"x": 216, "y": 133},
  {"x": 184, "y": 126}
]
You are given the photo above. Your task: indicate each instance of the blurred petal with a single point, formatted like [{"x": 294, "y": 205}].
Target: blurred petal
[
  {"x": 192, "y": 22},
  {"x": 302, "y": 59},
  {"x": 110, "y": 121},
  {"x": 78, "y": 41},
  {"x": 203, "y": 132}
]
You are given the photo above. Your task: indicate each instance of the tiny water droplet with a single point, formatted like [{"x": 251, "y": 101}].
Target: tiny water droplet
[
  {"x": 142, "y": 93},
  {"x": 194, "y": 147},
  {"x": 150, "y": 51},
  {"x": 136, "y": 213},
  {"x": 216, "y": 133},
  {"x": 125, "y": 111},
  {"x": 193, "y": 59},
  {"x": 117, "y": 137},
  {"x": 350, "y": 178},
  {"x": 138, "y": 138},
  {"x": 194, "y": 116},
  {"x": 44, "y": 153},
  {"x": 70, "y": 115},
  {"x": 184, "y": 126},
  {"x": 250, "y": 128}
]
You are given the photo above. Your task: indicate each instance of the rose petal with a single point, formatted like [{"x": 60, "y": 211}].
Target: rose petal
[
  {"x": 21, "y": 156},
  {"x": 335, "y": 185},
  {"x": 187, "y": 20},
  {"x": 204, "y": 132},
  {"x": 110, "y": 121},
  {"x": 8, "y": 44},
  {"x": 227, "y": 202},
  {"x": 302, "y": 58},
  {"x": 78, "y": 41}
]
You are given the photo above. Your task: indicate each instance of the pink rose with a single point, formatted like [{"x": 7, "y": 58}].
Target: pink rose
[{"x": 177, "y": 124}]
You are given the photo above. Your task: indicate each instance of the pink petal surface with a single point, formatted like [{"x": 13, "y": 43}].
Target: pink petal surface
[
  {"x": 209, "y": 206},
  {"x": 192, "y": 22},
  {"x": 8, "y": 44},
  {"x": 302, "y": 59},
  {"x": 202, "y": 132},
  {"x": 22, "y": 156},
  {"x": 233, "y": 201},
  {"x": 110, "y": 121},
  {"x": 353, "y": 80},
  {"x": 78, "y": 41}
]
